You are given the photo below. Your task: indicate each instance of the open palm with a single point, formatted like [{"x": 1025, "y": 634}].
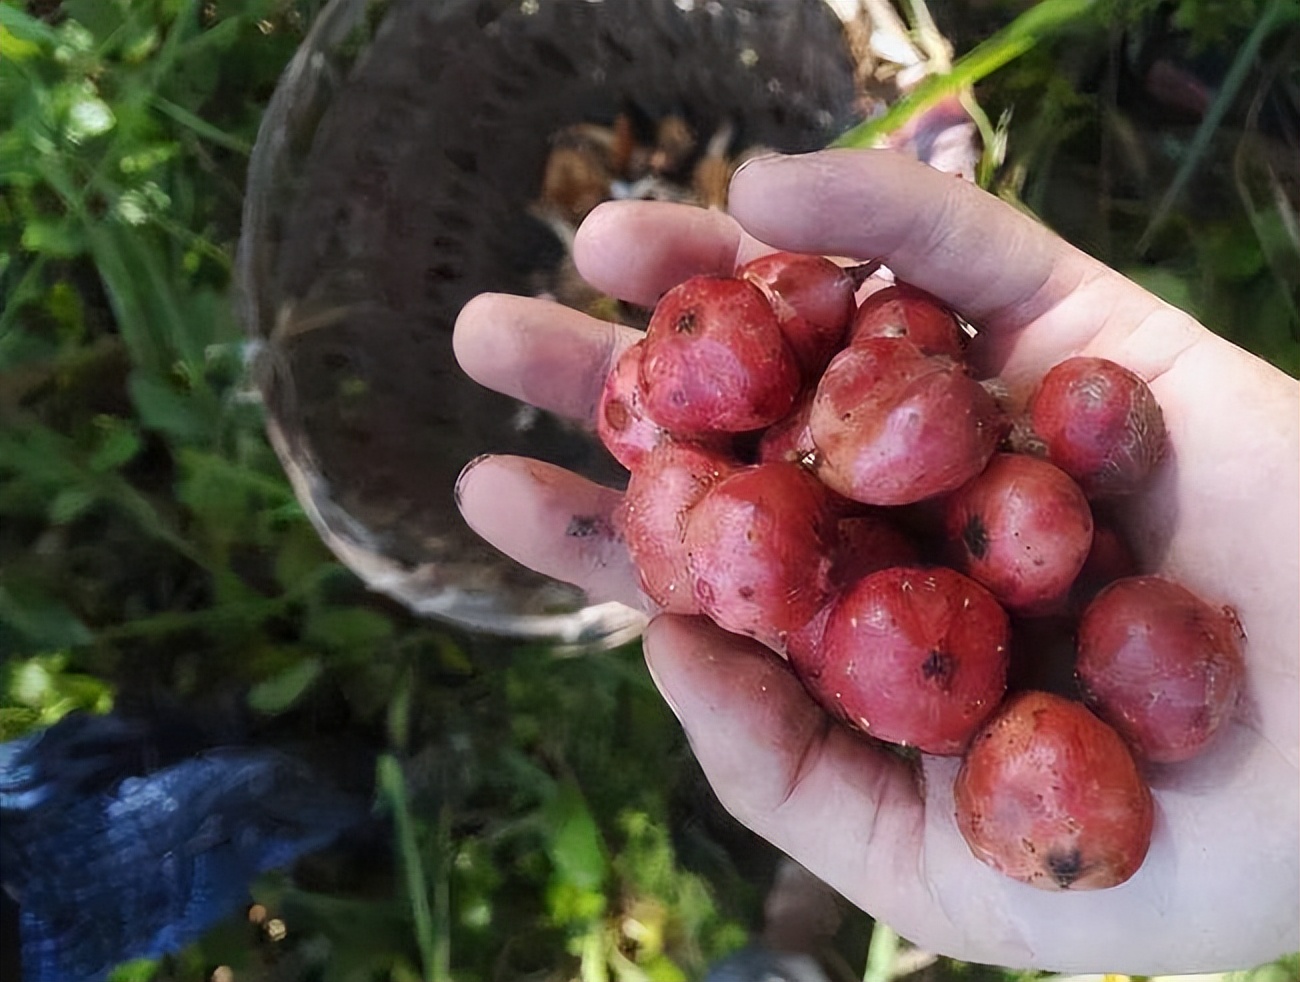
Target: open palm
[{"x": 1221, "y": 886}]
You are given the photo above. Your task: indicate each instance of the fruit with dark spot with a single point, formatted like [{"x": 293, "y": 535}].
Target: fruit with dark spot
[
  {"x": 1022, "y": 528},
  {"x": 621, "y": 420},
  {"x": 813, "y": 301},
  {"x": 716, "y": 360},
  {"x": 1049, "y": 795},
  {"x": 903, "y": 311},
  {"x": 1161, "y": 665},
  {"x": 759, "y": 545},
  {"x": 669, "y": 482},
  {"x": 912, "y": 655},
  {"x": 1100, "y": 423}
]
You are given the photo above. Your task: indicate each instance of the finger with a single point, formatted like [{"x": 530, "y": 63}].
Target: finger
[
  {"x": 848, "y": 811},
  {"x": 553, "y": 522},
  {"x": 943, "y": 234},
  {"x": 638, "y": 250},
  {"x": 541, "y": 352}
]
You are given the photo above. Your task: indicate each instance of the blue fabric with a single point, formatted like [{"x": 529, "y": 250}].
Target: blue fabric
[
  {"x": 111, "y": 859},
  {"x": 758, "y": 963}
]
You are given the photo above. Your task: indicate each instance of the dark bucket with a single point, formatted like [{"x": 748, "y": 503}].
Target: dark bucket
[{"x": 396, "y": 175}]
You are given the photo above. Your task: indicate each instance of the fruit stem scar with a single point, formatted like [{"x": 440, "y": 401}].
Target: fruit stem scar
[
  {"x": 1065, "y": 867},
  {"x": 975, "y": 536},
  {"x": 938, "y": 666}
]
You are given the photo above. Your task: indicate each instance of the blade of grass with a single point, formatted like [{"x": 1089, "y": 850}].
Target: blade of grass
[
  {"x": 1281, "y": 252},
  {"x": 1275, "y": 14},
  {"x": 1008, "y": 44},
  {"x": 141, "y": 290},
  {"x": 183, "y": 26},
  {"x": 199, "y": 126},
  {"x": 26, "y": 27},
  {"x": 240, "y": 615},
  {"x": 28, "y": 285},
  {"x": 392, "y": 786},
  {"x": 442, "y": 901},
  {"x": 882, "y": 953}
]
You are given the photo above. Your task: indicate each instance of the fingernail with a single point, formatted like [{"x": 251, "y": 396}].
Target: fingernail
[
  {"x": 460, "y": 480},
  {"x": 757, "y": 159}
]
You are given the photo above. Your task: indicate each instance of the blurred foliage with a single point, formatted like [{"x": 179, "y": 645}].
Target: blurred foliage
[
  {"x": 1164, "y": 139},
  {"x": 529, "y": 810}
]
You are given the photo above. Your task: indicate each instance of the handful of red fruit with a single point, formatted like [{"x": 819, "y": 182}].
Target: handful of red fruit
[{"x": 831, "y": 479}]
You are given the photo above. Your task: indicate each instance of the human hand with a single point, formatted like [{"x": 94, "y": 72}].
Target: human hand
[{"x": 1220, "y": 888}]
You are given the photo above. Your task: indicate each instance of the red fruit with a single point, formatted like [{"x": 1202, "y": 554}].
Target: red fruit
[
  {"x": 715, "y": 359},
  {"x": 1100, "y": 423},
  {"x": 912, "y": 656},
  {"x": 903, "y": 311},
  {"x": 1023, "y": 529},
  {"x": 1160, "y": 665},
  {"x": 621, "y": 421},
  {"x": 866, "y": 544},
  {"x": 759, "y": 545},
  {"x": 1109, "y": 559},
  {"x": 803, "y": 647},
  {"x": 893, "y": 426},
  {"x": 660, "y": 495},
  {"x": 813, "y": 300},
  {"x": 1049, "y": 795},
  {"x": 789, "y": 439}
]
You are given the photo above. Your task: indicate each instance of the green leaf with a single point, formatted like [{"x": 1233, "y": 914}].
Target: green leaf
[
  {"x": 70, "y": 504},
  {"x": 15, "y": 49},
  {"x": 43, "y": 620},
  {"x": 100, "y": 18},
  {"x": 137, "y": 970},
  {"x": 25, "y": 27},
  {"x": 43, "y": 683},
  {"x": 348, "y": 628},
  {"x": 1166, "y": 284},
  {"x": 574, "y": 842},
  {"x": 16, "y": 721},
  {"x": 164, "y": 408},
  {"x": 300, "y": 556},
  {"x": 119, "y": 442},
  {"x": 58, "y": 238},
  {"x": 281, "y": 691}
]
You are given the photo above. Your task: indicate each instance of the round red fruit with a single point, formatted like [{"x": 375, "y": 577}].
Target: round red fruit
[
  {"x": 715, "y": 359},
  {"x": 893, "y": 426},
  {"x": 621, "y": 421},
  {"x": 813, "y": 301},
  {"x": 1160, "y": 665},
  {"x": 1049, "y": 795},
  {"x": 914, "y": 656},
  {"x": 903, "y": 311},
  {"x": 1022, "y": 528},
  {"x": 758, "y": 546},
  {"x": 1100, "y": 423},
  {"x": 660, "y": 495}
]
